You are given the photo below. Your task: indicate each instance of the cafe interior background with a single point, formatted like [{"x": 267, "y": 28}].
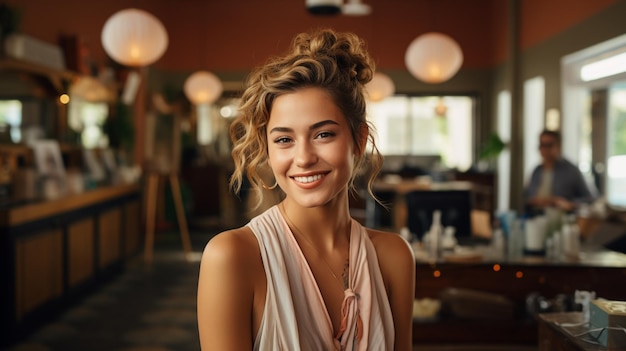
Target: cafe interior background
[{"x": 71, "y": 109}]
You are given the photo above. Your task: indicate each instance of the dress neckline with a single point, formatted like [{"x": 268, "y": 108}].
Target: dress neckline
[{"x": 347, "y": 291}]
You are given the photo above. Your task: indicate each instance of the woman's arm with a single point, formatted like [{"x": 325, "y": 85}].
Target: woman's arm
[
  {"x": 397, "y": 264},
  {"x": 225, "y": 292}
]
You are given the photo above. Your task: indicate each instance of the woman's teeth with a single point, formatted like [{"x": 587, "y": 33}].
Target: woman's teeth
[{"x": 308, "y": 179}]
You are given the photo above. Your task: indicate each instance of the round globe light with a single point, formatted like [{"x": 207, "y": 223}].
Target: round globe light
[
  {"x": 433, "y": 57},
  {"x": 90, "y": 89},
  {"x": 380, "y": 87},
  {"x": 203, "y": 87},
  {"x": 134, "y": 37}
]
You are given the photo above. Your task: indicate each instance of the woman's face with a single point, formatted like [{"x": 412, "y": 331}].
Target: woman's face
[{"x": 310, "y": 147}]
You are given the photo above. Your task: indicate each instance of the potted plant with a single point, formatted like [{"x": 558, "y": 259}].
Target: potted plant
[{"x": 491, "y": 149}]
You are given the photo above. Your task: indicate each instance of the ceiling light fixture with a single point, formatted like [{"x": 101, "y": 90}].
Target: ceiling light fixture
[
  {"x": 335, "y": 7},
  {"x": 380, "y": 87},
  {"x": 134, "y": 37},
  {"x": 606, "y": 67},
  {"x": 324, "y": 7},
  {"x": 433, "y": 57},
  {"x": 203, "y": 87},
  {"x": 356, "y": 8}
]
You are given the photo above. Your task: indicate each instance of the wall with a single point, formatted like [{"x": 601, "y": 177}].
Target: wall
[
  {"x": 230, "y": 37},
  {"x": 239, "y": 34}
]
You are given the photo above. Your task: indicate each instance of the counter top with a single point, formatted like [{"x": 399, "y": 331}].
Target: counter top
[
  {"x": 27, "y": 211},
  {"x": 589, "y": 256}
]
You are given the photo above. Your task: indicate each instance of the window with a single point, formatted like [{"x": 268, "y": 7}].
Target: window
[
  {"x": 616, "y": 146},
  {"x": 87, "y": 119},
  {"x": 534, "y": 123},
  {"x": 426, "y": 125},
  {"x": 594, "y": 123},
  {"x": 504, "y": 159},
  {"x": 11, "y": 120}
]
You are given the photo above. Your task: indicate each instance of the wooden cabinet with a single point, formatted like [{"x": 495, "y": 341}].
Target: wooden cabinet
[
  {"x": 38, "y": 270},
  {"x": 53, "y": 251},
  {"x": 80, "y": 251},
  {"x": 516, "y": 280}
]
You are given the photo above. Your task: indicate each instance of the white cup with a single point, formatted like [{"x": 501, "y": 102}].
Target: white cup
[{"x": 535, "y": 233}]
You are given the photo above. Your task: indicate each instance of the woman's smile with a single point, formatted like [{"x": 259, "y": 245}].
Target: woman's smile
[{"x": 308, "y": 179}]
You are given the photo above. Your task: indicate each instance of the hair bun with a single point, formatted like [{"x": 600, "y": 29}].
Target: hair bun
[{"x": 346, "y": 49}]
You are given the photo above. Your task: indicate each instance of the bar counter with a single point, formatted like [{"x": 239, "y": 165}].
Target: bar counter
[
  {"x": 54, "y": 251},
  {"x": 595, "y": 269}
]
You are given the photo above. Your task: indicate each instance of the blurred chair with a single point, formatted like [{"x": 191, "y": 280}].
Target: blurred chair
[{"x": 455, "y": 207}]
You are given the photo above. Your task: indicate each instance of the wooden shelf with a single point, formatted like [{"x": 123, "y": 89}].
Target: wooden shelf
[{"x": 56, "y": 76}]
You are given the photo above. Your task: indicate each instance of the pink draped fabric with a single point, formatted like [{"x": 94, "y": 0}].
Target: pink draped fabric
[{"x": 295, "y": 316}]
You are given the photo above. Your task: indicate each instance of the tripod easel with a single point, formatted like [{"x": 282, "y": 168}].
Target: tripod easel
[
  {"x": 152, "y": 190},
  {"x": 151, "y": 207}
]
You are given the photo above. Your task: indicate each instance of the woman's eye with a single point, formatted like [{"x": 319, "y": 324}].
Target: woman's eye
[
  {"x": 282, "y": 140},
  {"x": 325, "y": 135}
]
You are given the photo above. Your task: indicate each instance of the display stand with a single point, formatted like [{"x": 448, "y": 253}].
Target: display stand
[{"x": 151, "y": 208}]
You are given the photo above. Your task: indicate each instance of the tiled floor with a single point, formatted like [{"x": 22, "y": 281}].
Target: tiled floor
[{"x": 146, "y": 308}]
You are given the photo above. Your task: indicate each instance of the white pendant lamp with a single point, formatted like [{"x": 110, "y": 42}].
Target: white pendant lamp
[
  {"x": 356, "y": 8},
  {"x": 90, "y": 89},
  {"x": 134, "y": 37},
  {"x": 203, "y": 87},
  {"x": 380, "y": 87},
  {"x": 433, "y": 57}
]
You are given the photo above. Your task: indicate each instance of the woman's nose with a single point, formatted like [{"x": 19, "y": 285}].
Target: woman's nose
[{"x": 305, "y": 155}]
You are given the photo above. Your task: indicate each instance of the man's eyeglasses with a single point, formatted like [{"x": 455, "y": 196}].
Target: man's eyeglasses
[{"x": 546, "y": 145}]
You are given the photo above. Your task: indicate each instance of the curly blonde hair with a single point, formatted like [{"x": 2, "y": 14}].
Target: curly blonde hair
[{"x": 335, "y": 62}]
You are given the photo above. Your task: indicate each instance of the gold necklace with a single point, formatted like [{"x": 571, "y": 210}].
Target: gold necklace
[{"x": 344, "y": 282}]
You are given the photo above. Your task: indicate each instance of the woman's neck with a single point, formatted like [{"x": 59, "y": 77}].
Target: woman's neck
[{"x": 325, "y": 226}]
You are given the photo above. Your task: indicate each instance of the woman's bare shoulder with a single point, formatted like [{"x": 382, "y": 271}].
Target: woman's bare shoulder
[
  {"x": 391, "y": 246},
  {"x": 386, "y": 239},
  {"x": 232, "y": 246}
]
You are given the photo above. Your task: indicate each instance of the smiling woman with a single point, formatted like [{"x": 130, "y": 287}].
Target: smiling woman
[{"x": 304, "y": 275}]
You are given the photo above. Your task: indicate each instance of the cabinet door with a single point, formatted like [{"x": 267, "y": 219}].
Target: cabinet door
[
  {"x": 132, "y": 228},
  {"x": 39, "y": 270},
  {"x": 109, "y": 237},
  {"x": 80, "y": 236}
]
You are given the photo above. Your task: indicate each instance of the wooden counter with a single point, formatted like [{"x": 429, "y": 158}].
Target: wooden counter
[
  {"x": 53, "y": 251},
  {"x": 594, "y": 270}
]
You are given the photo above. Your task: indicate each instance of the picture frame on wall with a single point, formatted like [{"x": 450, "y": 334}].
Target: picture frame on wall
[{"x": 48, "y": 159}]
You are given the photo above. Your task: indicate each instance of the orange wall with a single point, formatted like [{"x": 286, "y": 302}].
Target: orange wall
[
  {"x": 232, "y": 35},
  {"x": 238, "y": 34},
  {"x": 542, "y": 19}
]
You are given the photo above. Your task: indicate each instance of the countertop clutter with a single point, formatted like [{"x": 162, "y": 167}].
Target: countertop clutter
[{"x": 572, "y": 331}]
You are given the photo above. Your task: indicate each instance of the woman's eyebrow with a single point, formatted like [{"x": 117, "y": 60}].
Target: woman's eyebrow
[
  {"x": 312, "y": 127},
  {"x": 281, "y": 130},
  {"x": 322, "y": 123}
]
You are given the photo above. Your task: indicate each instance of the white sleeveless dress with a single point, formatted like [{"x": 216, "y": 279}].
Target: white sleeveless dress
[{"x": 295, "y": 317}]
